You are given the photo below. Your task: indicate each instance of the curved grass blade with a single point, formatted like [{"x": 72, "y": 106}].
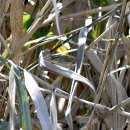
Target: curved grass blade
[
  {"x": 80, "y": 56},
  {"x": 43, "y": 62},
  {"x": 38, "y": 100},
  {"x": 22, "y": 97}
]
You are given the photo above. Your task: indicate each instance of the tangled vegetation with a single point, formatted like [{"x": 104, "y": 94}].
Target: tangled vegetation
[{"x": 64, "y": 65}]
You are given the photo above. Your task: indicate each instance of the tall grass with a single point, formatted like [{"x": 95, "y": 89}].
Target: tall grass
[{"x": 64, "y": 65}]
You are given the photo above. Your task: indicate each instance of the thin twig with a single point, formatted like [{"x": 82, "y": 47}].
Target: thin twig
[
  {"x": 5, "y": 44},
  {"x": 89, "y": 12}
]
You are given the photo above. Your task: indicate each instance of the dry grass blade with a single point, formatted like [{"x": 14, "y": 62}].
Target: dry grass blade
[
  {"x": 120, "y": 91},
  {"x": 80, "y": 56},
  {"x": 127, "y": 46},
  {"x": 12, "y": 94},
  {"x": 63, "y": 71},
  {"x": 88, "y": 12},
  {"x": 64, "y": 76},
  {"x": 38, "y": 100},
  {"x": 53, "y": 111},
  {"x": 57, "y": 18},
  {"x": 93, "y": 57},
  {"x": 3, "y": 9},
  {"x": 5, "y": 44},
  {"x": 102, "y": 35},
  {"x": 4, "y": 76},
  {"x": 17, "y": 84}
]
